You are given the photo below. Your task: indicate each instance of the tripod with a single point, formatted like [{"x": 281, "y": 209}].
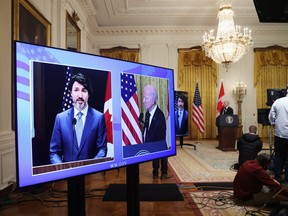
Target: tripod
[{"x": 181, "y": 142}]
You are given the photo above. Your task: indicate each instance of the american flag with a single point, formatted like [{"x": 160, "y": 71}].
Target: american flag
[
  {"x": 221, "y": 96},
  {"x": 197, "y": 111},
  {"x": 108, "y": 110},
  {"x": 131, "y": 129},
  {"x": 67, "y": 100},
  {"x": 176, "y": 100},
  {"x": 26, "y": 53}
]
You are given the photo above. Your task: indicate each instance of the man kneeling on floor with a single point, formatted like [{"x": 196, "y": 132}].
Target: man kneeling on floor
[{"x": 254, "y": 186}]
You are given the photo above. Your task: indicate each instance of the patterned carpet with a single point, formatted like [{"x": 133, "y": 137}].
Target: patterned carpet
[
  {"x": 205, "y": 164},
  {"x": 211, "y": 203}
]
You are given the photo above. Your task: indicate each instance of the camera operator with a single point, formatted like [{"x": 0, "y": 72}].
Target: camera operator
[{"x": 278, "y": 117}]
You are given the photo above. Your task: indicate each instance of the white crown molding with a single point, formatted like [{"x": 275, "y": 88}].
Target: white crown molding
[
  {"x": 117, "y": 9},
  {"x": 181, "y": 30}
]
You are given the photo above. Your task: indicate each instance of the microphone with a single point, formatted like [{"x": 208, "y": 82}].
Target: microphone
[{"x": 140, "y": 118}]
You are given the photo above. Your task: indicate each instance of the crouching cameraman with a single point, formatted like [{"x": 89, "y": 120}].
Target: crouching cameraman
[{"x": 252, "y": 185}]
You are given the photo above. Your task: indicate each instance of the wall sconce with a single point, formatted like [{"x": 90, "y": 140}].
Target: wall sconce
[{"x": 239, "y": 90}]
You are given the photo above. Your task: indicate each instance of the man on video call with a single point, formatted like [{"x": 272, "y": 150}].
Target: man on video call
[
  {"x": 181, "y": 120},
  {"x": 154, "y": 127},
  {"x": 79, "y": 133}
]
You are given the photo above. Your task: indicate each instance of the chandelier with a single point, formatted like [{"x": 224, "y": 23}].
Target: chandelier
[{"x": 231, "y": 43}]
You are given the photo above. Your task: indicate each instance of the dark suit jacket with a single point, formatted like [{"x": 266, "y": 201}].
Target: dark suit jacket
[
  {"x": 183, "y": 128},
  {"x": 157, "y": 129},
  {"x": 93, "y": 142},
  {"x": 229, "y": 111}
]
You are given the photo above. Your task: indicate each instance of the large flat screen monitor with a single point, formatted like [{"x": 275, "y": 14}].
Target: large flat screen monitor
[{"x": 47, "y": 146}]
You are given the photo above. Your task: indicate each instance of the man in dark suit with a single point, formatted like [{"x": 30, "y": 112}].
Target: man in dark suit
[
  {"x": 181, "y": 120},
  {"x": 79, "y": 133},
  {"x": 154, "y": 128},
  {"x": 226, "y": 110}
]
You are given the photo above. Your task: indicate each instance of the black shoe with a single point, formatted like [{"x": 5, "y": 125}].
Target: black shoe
[
  {"x": 155, "y": 176},
  {"x": 165, "y": 176}
]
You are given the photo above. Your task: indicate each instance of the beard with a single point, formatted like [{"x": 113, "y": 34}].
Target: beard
[{"x": 80, "y": 106}]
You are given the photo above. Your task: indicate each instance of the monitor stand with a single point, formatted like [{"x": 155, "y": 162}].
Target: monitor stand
[
  {"x": 133, "y": 197},
  {"x": 76, "y": 196},
  {"x": 181, "y": 142}
]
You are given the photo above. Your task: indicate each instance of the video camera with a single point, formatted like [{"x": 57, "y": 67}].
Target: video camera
[{"x": 274, "y": 94}]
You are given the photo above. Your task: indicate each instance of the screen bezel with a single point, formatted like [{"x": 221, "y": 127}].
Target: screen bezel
[{"x": 24, "y": 149}]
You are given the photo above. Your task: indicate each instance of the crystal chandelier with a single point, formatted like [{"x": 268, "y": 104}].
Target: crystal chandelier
[{"x": 231, "y": 43}]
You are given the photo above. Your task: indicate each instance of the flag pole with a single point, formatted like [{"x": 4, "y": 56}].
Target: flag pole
[
  {"x": 198, "y": 139},
  {"x": 197, "y": 112}
]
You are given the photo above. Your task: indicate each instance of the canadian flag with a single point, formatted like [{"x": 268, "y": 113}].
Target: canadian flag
[
  {"x": 221, "y": 96},
  {"x": 108, "y": 110}
]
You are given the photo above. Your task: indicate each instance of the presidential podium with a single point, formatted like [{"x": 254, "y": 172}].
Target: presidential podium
[{"x": 227, "y": 132}]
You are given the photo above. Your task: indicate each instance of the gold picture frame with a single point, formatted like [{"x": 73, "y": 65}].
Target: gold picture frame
[
  {"x": 73, "y": 32},
  {"x": 30, "y": 25}
]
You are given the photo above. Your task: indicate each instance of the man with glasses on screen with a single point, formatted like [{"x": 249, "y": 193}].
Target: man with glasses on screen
[{"x": 79, "y": 133}]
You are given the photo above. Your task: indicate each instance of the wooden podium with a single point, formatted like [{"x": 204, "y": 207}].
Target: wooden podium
[{"x": 227, "y": 132}]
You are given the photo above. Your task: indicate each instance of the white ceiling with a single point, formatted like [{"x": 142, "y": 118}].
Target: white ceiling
[{"x": 169, "y": 13}]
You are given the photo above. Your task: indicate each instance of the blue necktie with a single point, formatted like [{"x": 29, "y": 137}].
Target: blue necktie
[
  {"x": 79, "y": 127},
  {"x": 180, "y": 118}
]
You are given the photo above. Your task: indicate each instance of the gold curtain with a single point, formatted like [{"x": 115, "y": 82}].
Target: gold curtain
[
  {"x": 193, "y": 67},
  {"x": 270, "y": 72},
  {"x": 122, "y": 53},
  {"x": 133, "y": 55},
  {"x": 162, "y": 88}
]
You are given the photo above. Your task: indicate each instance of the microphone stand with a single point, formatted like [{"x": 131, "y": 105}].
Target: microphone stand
[{"x": 76, "y": 188}]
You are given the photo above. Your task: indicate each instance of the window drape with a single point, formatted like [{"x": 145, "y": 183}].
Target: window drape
[
  {"x": 122, "y": 53},
  {"x": 193, "y": 67},
  {"x": 161, "y": 85},
  {"x": 270, "y": 72}
]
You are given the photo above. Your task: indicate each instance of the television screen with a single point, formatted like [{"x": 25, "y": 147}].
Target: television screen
[
  {"x": 274, "y": 94},
  {"x": 181, "y": 113},
  {"x": 54, "y": 142}
]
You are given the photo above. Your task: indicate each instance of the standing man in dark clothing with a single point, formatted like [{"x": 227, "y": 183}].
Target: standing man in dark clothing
[
  {"x": 79, "y": 133},
  {"x": 226, "y": 110},
  {"x": 249, "y": 145},
  {"x": 254, "y": 186},
  {"x": 155, "y": 127}
]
